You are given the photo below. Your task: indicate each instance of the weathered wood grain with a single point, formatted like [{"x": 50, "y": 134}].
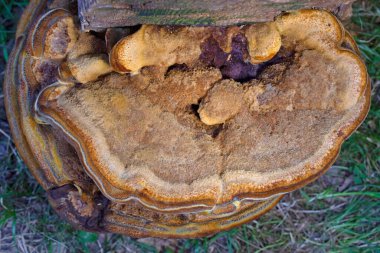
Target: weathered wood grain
[{"x": 99, "y": 14}]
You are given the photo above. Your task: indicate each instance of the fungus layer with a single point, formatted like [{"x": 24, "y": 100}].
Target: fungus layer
[
  {"x": 198, "y": 123},
  {"x": 207, "y": 130}
]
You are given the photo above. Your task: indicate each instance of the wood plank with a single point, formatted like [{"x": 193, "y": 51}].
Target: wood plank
[{"x": 100, "y": 14}]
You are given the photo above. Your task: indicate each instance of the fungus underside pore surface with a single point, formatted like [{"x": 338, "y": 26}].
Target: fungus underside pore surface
[{"x": 338, "y": 212}]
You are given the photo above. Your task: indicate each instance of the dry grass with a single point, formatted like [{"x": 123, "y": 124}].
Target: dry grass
[{"x": 337, "y": 213}]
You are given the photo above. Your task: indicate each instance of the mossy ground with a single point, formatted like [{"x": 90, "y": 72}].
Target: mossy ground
[{"x": 340, "y": 212}]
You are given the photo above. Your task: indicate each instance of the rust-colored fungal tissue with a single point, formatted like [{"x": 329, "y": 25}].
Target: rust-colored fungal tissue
[{"x": 180, "y": 131}]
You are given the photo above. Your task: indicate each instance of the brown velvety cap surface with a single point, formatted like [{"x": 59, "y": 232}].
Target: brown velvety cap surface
[
  {"x": 207, "y": 130},
  {"x": 145, "y": 137}
]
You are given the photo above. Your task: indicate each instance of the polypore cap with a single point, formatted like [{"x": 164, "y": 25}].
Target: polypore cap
[
  {"x": 88, "y": 68},
  {"x": 264, "y": 41},
  {"x": 54, "y": 35},
  {"x": 222, "y": 102}
]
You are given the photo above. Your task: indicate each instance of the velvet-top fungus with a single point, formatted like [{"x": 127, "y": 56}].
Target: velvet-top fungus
[{"x": 180, "y": 131}]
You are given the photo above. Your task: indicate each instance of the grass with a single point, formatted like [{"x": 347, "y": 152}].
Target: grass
[{"x": 340, "y": 212}]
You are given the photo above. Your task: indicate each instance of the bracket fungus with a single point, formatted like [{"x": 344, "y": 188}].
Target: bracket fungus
[{"x": 180, "y": 131}]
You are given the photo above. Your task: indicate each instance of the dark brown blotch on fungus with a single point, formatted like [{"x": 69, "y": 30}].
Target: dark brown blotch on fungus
[{"x": 81, "y": 209}]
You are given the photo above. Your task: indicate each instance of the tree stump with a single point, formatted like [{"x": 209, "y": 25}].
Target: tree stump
[{"x": 100, "y": 14}]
